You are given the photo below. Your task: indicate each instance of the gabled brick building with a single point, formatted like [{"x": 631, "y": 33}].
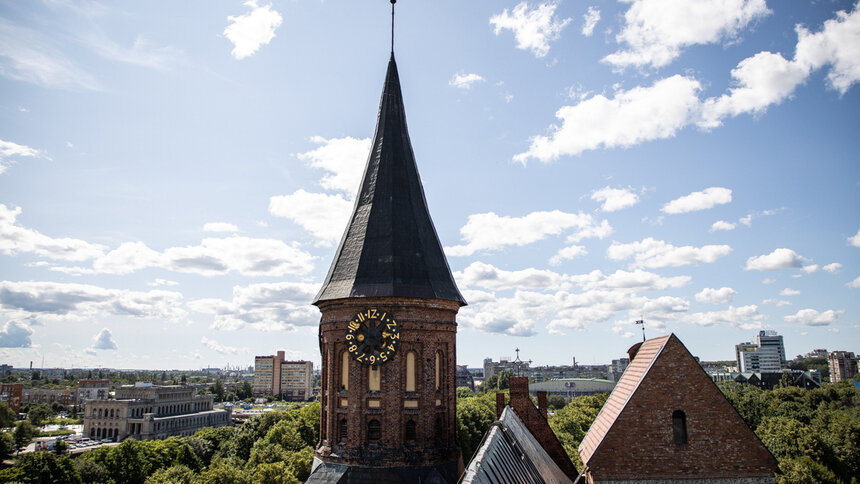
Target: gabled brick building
[{"x": 667, "y": 422}]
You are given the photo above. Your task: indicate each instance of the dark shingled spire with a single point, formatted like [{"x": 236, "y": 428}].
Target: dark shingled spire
[{"x": 390, "y": 247}]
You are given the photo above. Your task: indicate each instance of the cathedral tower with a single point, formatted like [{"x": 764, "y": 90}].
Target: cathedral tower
[{"x": 388, "y": 327}]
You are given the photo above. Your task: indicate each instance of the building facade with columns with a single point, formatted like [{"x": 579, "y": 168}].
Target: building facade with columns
[{"x": 147, "y": 412}]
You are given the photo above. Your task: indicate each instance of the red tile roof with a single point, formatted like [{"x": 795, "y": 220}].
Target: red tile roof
[{"x": 625, "y": 389}]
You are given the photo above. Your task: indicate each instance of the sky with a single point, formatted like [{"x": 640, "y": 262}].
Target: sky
[{"x": 175, "y": 176}]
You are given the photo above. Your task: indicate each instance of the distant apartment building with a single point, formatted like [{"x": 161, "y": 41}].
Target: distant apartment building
[
  {"x": 816, "y": 353},
  {"x": 146, "y": 412},
  {"x": 49, "y": 396},
  {"x": 465, "y": 378},
  {"x": 11, "y": 394},
  {"x": 292, "y": 380},
  {"x": 618, "y": 366},
  {"x": 542, "y": 373},
  {"x": 765, "y": 354},
  {"x": 5, "y": 370},
  {"x": 843, "y": 365},
  {"x": 92, "y": 390}
]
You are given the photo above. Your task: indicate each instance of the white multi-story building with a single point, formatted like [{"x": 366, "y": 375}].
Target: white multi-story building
[
  {"x": 292, "y": 380},
  {"x": 765, "y": 354},
  {"x": 843, "y": 365}
]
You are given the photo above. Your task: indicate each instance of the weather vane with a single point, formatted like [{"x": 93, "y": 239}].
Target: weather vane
[
  {"x": 518, "y": 362},
  {"x": 642, "y": 322}
]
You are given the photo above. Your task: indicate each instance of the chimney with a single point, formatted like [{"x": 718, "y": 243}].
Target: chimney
[
  {"x": 541, "y": 397},
  {"x": 500, "y": 404},
  {"x": 631, "y": 353},
  {"x": 280, "y": 356}
]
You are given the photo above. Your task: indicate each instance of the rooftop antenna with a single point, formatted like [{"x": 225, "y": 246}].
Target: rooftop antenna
[
  {"x": 392, "y": 25},
  {"x": 642, "y": 322}
]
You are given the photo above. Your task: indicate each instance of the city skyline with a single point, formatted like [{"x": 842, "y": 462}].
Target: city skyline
[{"x": 174, "y": 179}]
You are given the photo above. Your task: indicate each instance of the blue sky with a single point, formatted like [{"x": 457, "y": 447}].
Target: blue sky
[{"x": 174, "y": 176}]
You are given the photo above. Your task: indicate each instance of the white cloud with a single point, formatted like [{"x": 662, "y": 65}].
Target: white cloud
[
  {"x": 833, "y": 268},
  {"x": 615, "y": 199},
  {"x": 789, "y": 292},
  {"x": 279, "y": 306},
  {"x": 343, "y": 159},
  {"x": 567, "y": 253},
  {"x": 656, "y": 31},
  {"x": 812, "y": 317},
  {"x": 745, "y": 317},
  {"x": 778, "y": 259},
  {"x": 82, "y": 300},
  {"x": 748, "y": 218},
  {"x": 707, "y": 198},
  {"x": 9, "y": 151},
  {"x": 652, "y": 254},
  {"x": 855, "y": 283},
  {"x": 762, "y": 80},
  {"x": 629, "y": 118},
  {"x": 220, "y": 348},
  {"x": 722, "y": 225},
  {"x": 219, "y": 227},
  {"x": 15, "y": 239},
  {"x": 213, "y": 256},
  {"x": 716, "y": 296},
  {"x": 589, "y": 21},
  {"x": 324, "y": 216},
  {"x": 465, "y": 81},
  {"x": 488, "y": 231},
  {"x": 103, "y": 341},
  {"x": 162, "y": 282},
  {"x": 648, "y": 113},
  {"x": 534, "y": 28},
  {"x": 637, "y": 280},
  {"x": 15, "y": 334},
  {"x": 487, "y": 276},
  {"x": 837, "y": 45},
  {"x": 778, "y": 302},
  {"x": 810, "y": 269},
  {"x": 855, "y": 241},
  {"x": 29, "y": 56},
  {"x": 251, "y": 30}
]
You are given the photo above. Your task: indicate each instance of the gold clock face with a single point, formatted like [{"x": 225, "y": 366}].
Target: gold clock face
[{"x": 372, "y": 337}]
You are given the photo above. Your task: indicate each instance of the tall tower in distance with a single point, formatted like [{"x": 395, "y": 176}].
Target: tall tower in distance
[{"x": 388, "y": 327}]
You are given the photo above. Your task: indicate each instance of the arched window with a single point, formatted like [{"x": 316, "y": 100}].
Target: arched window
[
  {"x": 374, "y": 380},
  {"x": 410, "y": 371},
  {"x": 679, "y": 427},
  {"x": 342, "y": 428},
  {"x": 409, "y": 434},
  {"x": 374, "y": 430},
  {"x": 344, "y": 371}
]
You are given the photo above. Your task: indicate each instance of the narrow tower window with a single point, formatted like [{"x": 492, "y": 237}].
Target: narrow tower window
[
  {"x": 374, "y": 382},
  {"x": 374, "y": 430},
  {"x": 342, "y": 428},
  {"x": 410, "y": 371},
  {"x": 409, "y": 435},
  {"x": 438, "y": 369},
  {"x": 344, "y": 371},
  {"x": 679, "y": 427}
]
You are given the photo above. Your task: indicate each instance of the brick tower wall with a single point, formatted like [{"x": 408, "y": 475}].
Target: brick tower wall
[{"x": 427, "y": 326}]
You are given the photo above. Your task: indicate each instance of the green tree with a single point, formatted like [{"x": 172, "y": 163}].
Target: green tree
[
  {"x": 555, "y": 402},
  {"x": 7, "y": 445},
  {"x": 23, "y": 434},
  {"x": 37, "y": 414},
  {"x": 45, "y": 468},
  {"x": 218, "y": 389},
  {"x": 274, "y": 473},
  {"x": 224, "y": 471},
  {"x": 7, "y": 416},
  {"x": 464, "y": 393},
  {"x": 90, "y": 471},
  {"x": 474, "y": 417},
  {"x": 178, "y": 474}
]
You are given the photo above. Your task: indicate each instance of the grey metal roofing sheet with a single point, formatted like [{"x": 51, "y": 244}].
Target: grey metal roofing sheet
[{"x": 509, "y": 453}]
